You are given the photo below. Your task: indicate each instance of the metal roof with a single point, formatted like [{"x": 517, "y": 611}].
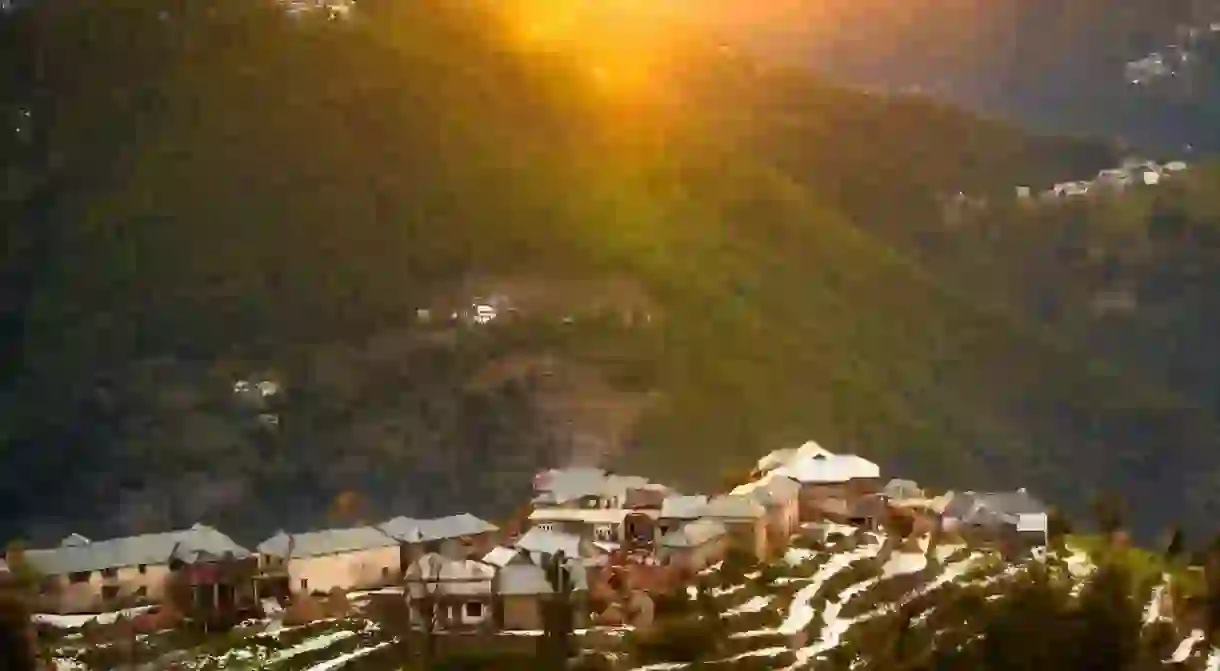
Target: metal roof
[
  {"x": 550, "y": 542},
  {"x": 325, "y": 542},
  {"x": 832, "y": 468},
  {"x": 694, "y": 534},
  {"x": 410, "y": 530},
  {"x": 500, "y": 556},
  {"x": 453, "y": 576},
  {"x": 731, "y": 506},
  {"x": 683, "y": 507},
  {"x": 529, "y": 579},
  {"x": 902, "y": 489},
  {"x": 199, "y": 543}
]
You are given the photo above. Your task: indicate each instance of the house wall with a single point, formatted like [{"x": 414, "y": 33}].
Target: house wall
[
  {"x": 523, "y": 612},
  {"x": 361, "y": 569},
  {"x": 749, "y": 535},
  {"x": 782, "y": 522},
  {"x": 63, "y": 596}
]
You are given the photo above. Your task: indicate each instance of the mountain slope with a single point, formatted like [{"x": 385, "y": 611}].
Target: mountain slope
[{"x": 250, "y": 197}]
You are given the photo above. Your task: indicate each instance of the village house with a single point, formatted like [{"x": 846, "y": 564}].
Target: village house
[
  {"x": 780, "y": 496},
  {"x": 831, "y": 483},
  {"x": 746, "y": 522},
  {"x": 449, "y": 593},
  {"x": 84, "y": 576},
  {"x": 461, "y": 536},
  {"x": 606, "y": 525},
  {"x": 1014, "y": 520},
  {"x": 539, "y": 541},
  {"x": 586, "y": 488},
  {"x": 694, "y": 546},
  {"x": 318, "y": 561},
  {"x": 524, "y": 592},
  {"x": 592, "y": 503},
  {"x": 677, "y": 510}
]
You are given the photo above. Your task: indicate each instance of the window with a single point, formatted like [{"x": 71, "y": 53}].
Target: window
[
  {"x": 304, "y": 585},
  {"x": 474, "y": 609},
  {"x": 79, "y": 577},
  {"x": 142, "y": 568}
]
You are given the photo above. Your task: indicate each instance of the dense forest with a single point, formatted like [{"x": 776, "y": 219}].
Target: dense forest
[{"x": 206, "y": 196}]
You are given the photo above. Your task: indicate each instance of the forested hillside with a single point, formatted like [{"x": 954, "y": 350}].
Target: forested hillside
[{"x": 211, "y": 196}]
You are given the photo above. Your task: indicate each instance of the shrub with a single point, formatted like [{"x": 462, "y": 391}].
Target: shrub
[
  {"x": 736, "y": 563},
  {"x": 677, "y": 639}
]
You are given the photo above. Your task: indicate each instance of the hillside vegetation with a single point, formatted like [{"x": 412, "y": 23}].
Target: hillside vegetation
[{"x": 222, "y": 194}]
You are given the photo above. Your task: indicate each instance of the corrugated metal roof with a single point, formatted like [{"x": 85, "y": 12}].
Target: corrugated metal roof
[
  {"x": 683, "y": 507},
  {"x": 325, "y": 542},
  {"x": 694, "y": 534},
  {"x": 731, "y": 506},
  {"x": 200, "y": 542},
  {"x": 410, "y": 530}
]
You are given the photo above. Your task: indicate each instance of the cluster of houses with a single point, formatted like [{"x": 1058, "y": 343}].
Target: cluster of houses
[
  {"x": 620, "y": 539},
  {"x": 1132, "y": 172}
]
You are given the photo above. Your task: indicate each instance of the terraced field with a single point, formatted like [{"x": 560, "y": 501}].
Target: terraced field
[{"x": 823, "y": 609}]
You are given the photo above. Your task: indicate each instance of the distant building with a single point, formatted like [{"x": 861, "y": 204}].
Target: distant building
[
  {"x": 319, "y": 561},
  {"x": 84, "y": 576}
]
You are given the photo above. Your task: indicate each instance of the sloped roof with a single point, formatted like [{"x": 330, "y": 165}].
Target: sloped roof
[
  {"x": 957, "y": 504},
  {"x": 902, "y": 489},
  {"x": 411, "y": 530},
  {"x": 199, "y": 543},
  {"x": 526, "y": 579},
  {"x": 500, "y": 556},
  {"x": 325, "y": 542},
  {"x": 558, "y": 486},
  {"x": 783, "y": 457},
  {"x": 731, "y": 506},
  {"x": 775, "y": 489},
  {"x": 550, "y": 542},
  {"x": 1019, "y": 502},
  {"x": 694, "y": 534},
  {"x": 829, "y": 469},
  {"x": 453, "y": 576},
  {"x": 683, "y": 507}
]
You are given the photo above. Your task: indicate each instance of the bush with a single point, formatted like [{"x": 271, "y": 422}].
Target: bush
[
  {"x": 678, "y": 639},
  {"x": 736, "y": 563}
]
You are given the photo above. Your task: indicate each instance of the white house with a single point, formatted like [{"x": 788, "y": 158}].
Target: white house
[
  {"x": 459, "y": 589},
  {"x": 319, "y": 561},
  {"x": 84, "y": 576}
]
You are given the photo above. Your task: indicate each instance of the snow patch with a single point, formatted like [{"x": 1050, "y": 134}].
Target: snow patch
[
  {"x": 752, "y": 606},
  {"x": 1186, "y": 647},
  {"x": 344, "y": 659},
  {"x": 312, "y": 644},
  {"x": 902, "y": 563}
]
